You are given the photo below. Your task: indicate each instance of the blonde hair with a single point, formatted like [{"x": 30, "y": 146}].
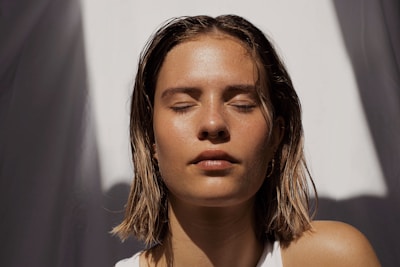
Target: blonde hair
[{"x": 282, "y": 206}]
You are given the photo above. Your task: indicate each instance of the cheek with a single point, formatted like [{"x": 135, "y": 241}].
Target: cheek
[
  {"x": 258, "y": 146},
  {"x": 170, "y": 138}
]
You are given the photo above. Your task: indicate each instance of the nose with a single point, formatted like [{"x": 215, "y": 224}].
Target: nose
[{"x": 213, "y": 125}]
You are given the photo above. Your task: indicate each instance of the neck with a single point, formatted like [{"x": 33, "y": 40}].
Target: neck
[{"x": 201, "y": 236}]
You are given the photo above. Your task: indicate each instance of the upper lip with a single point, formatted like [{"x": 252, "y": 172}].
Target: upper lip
[{"x": 214, "y": 154}]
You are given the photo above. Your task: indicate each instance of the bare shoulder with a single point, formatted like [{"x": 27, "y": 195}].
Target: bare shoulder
[{"x": 330, "y": 243}]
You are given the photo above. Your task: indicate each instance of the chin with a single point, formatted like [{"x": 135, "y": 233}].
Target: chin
[
  {"x": 212, "y": 191},
  {"x": 216, "y": 198}
]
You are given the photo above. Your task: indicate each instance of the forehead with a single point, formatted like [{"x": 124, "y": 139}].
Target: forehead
[
  {"x": 227, "y": 42},
  {"x": 214, "y": 57}
]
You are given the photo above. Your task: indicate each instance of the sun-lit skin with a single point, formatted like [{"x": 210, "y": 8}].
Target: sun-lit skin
[{"x": 206, "y": 102}]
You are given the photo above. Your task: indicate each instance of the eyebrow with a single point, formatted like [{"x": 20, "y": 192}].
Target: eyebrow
[
  {"x": 241, "y": 88},
  {"x": 183, "y": 90}
]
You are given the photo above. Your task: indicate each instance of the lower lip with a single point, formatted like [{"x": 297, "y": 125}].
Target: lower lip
[{"x": 214, "y": 165}]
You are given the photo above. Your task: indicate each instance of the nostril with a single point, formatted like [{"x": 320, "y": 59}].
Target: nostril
[
  {"x": 203, "y": 135},
  {"x": 218, "y": 135},
  {"x": 222, "y": 134}
]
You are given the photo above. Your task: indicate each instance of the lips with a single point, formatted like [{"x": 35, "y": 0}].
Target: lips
[
  {"x": 214, "y": 160},
  {"x": 214, "y": 155}
]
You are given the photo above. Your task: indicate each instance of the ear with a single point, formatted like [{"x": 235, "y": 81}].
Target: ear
[
  {"x": 278, "y": 132},
  {"x": 154, "y": 152}
]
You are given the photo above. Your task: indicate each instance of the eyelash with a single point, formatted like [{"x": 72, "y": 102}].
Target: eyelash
[
  {"x": 181, "y": 109},
  {"x": 245, "y": 108}
]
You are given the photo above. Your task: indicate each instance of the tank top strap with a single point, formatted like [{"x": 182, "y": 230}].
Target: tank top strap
[{"x": 271, "y": 256}]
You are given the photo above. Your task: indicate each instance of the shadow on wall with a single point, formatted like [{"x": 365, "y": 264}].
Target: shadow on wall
[
  {"x": 371, "y": 35},
  {"x": 52, "y": 211},
  {"x": 115, "y": 200}
]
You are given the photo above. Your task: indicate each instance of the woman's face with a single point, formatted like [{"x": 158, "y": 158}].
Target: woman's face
[{"x": 212, "y": 141}]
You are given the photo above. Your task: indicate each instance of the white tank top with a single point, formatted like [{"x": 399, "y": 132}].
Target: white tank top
[{"x": 271, "y": 257}]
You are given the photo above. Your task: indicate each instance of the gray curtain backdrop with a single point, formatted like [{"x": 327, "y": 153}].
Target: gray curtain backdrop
[
  {"x": 52, "y": 208},
  {"x": 371, "y": 31}
]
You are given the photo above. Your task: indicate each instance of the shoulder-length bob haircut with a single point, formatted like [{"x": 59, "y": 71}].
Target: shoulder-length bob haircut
[{"x": 282, "y": 206}]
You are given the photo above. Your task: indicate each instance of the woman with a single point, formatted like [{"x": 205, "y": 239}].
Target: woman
[{"x": 217, "y": 145}]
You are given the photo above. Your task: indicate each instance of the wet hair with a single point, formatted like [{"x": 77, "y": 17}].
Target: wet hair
[{"x": 282, "y": 206}]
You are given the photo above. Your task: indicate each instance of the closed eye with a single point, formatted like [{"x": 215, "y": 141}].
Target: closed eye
[
  {"x": 242, "y": 97},
  {"x": 182, "y": 107},
  {"x": 244, "y": 107}
]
